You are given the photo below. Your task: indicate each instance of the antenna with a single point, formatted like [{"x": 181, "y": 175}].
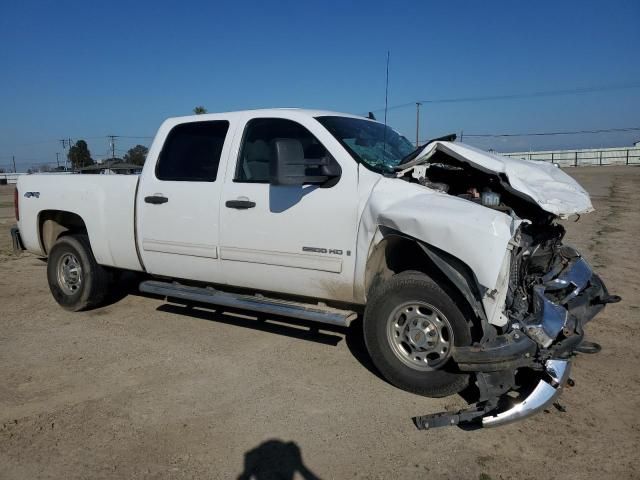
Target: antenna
[
  {"x": 386, "y": 104},
  {"x": 386, "y": 92},
  {"x": 418, "y": 123}
]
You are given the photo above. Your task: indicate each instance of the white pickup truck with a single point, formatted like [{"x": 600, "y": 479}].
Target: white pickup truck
[{"x": 452, "y": 256}]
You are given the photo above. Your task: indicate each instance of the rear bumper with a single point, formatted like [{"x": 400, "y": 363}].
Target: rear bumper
[{"x": 16, "y": 241}]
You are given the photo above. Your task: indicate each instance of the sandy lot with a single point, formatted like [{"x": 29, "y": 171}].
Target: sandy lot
[{"x": 142, "y": 389}]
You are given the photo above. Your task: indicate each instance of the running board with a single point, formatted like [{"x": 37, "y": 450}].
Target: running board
[{"x": 269, "y": 306}]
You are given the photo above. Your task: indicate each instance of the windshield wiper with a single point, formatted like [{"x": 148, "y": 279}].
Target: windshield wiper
[{"x": 446, "y": 138}]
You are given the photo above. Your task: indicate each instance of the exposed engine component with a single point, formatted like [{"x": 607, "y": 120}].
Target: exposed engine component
[
  {"x": 448, "y": 175},
  {"x": 553, "y": 292}
]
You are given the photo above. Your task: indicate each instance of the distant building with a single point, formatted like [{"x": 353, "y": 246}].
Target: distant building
[{"x": 116, "y": 166}]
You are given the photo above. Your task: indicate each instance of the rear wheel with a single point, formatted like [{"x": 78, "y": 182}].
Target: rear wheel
[
  {"x": 76, "y": 280},
  {"x": 410, "y": 328}
]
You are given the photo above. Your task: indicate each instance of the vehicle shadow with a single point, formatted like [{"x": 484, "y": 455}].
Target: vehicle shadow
[
  {"x": 275, "y": 460},
  {"x": 272, "y": 324},
  {"x": 300, "y": 330},
  {"x": 290, "y": 327},
  {"x": 125, "y": 284},
  {"x": 325, "y": 334}
]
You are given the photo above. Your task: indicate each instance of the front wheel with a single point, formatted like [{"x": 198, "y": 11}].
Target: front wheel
[
  {"x": 76, "y": 280},
  {"x": 410, "y": 328}
]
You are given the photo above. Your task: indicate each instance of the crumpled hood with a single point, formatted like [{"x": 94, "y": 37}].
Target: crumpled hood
[{"x": 540, "y": 182}]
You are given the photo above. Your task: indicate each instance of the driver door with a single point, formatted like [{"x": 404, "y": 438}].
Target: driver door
[{"x": 296, "y": 239}]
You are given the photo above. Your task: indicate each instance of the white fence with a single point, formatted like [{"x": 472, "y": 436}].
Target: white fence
[
  {"x": 10, "y": 177},
  {"x": 584, "y": 157}
]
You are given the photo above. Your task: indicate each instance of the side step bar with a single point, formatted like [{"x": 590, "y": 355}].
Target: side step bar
[{"x": 269, "y": 306}]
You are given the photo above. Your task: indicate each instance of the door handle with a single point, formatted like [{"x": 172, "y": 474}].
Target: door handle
[
  {"x": 240, "y": 204},
  {"x": 156, "y": 199}
]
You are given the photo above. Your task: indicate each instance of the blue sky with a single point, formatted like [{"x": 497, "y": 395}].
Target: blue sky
[{"x": 89, "y": 69}]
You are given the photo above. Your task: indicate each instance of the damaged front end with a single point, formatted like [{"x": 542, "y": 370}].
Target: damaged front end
[
  {"x": 522, "y": 367},
  {"x": 545, "y": 295}
]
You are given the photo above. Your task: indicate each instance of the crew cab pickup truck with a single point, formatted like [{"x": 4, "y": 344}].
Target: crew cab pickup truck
[{"x": 452, "y": 256}]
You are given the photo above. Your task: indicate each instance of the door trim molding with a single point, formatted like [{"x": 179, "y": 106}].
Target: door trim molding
[
  {"x": 282, "y": 259},
  {"x": 180, "y": 248}
]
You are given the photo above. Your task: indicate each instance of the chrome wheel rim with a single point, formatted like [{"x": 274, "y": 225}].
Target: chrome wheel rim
[
  {"x": 69, "y": 273},
  {"x": 420, "y": 336}
]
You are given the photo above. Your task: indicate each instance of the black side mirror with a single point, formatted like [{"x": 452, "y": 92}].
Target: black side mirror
[{"x": 289, "y": 167}]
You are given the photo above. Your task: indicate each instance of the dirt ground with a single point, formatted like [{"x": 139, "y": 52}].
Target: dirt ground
[{"x": 143, "y": 389}]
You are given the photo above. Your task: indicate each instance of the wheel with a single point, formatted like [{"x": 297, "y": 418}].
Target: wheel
[
  {"x": 76, "y": 281},
  {"x": 410, "y": 327}
]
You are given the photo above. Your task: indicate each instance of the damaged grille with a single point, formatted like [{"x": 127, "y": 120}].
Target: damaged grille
[{"x": 552, "y": 291}]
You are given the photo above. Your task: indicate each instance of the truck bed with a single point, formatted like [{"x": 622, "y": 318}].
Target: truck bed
[{"x": 105, "y": 203}]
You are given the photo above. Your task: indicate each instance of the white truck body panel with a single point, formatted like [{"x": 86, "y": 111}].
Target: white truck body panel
[
  {"x": 181, "y": 237},
  {"x": 472, "y": 233},
  {"x": 270, "y": 247},
  {"x": 104, "y": 202}
]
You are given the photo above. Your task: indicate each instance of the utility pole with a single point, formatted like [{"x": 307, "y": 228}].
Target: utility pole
[
  {"x": 113, "y": 146},
  {"x": 58, "y": 159},
  {"x": 418, "y": 123},
  {"x": 66, "y": 142},
  {"x": 13, "y": 157}
]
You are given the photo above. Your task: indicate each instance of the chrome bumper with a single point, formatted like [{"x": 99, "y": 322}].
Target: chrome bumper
[
  {"x": 541, "y": 397},
  {"x": 579, "y": 295}
]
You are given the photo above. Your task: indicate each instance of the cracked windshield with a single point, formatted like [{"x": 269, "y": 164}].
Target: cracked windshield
[{"x": 380, "y": 148}]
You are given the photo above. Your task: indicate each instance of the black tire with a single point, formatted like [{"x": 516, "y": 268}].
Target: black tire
[
  {"x": 399, "y": 290},
  {"x": 95, "y": 280}
]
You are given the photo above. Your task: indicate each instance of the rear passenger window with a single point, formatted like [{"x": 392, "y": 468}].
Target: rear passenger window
[
  {"x": 257, "y": 147},
  {"x": 191, "y": 152}
]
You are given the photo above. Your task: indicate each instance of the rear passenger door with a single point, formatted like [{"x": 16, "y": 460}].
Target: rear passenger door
[{"x": 178, "y": 202}]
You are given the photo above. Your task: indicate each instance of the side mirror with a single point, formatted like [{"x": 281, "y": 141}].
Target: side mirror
[{"x": 289, "y": 167}]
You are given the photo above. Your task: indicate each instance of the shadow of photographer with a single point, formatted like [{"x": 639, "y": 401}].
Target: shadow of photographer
[{"x": 275, "y": 460}]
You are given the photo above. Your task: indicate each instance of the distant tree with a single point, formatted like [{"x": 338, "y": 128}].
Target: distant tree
[
  {"x": 45, "y": 168},
  {"x": 1, "y": 170},
  {"x": 79, "y": 155},
  {"x": 136, "y": 155},
  {"x": 199, "y": 110}
]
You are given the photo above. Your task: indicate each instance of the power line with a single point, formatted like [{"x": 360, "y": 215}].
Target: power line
[
  {"x": 133, "y": 136},
  {"x": 515, "y": 96},
  {"x": 543, "y": 134}
]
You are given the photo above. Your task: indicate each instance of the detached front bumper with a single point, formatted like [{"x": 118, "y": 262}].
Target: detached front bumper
[{"x": 542, "y": 396}]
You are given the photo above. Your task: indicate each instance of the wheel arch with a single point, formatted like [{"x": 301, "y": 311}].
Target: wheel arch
[
  {"x": 397, "y": 252},
  {"x": 52, "y": 224}
]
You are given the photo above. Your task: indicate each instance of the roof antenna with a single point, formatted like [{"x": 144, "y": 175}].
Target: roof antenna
[{"x": 386, "y": 103}]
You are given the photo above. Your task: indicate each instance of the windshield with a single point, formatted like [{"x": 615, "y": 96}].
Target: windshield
[{"x": 380, "y": 148}]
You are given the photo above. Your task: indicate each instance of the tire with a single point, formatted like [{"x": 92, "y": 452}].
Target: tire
[
  {"x": 420, "y": 367},
  {"x": 84, "y": 284}
]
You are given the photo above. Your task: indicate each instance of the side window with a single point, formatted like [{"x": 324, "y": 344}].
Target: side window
[
  {"x": 257, "y": 150},
  {"x": 191, "y": 152}
]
